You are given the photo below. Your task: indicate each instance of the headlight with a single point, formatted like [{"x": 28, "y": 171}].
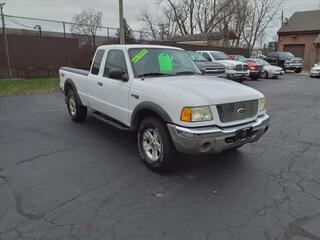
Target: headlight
[
  {"x": 262, "y": 105},
  {"x": 196, "y": 114},
  {"x": 287, "y": 61},
  {"x": 229, "y": 67}
]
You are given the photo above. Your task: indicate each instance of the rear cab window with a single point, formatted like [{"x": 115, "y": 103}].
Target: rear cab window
[{"x": 97, "y": 62}]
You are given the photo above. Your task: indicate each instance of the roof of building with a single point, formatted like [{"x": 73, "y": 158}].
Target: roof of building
[
  {"x": 317, "y": 41},
  {"x": 201, "y": 37},
  {"x": 307, "y": 21}
]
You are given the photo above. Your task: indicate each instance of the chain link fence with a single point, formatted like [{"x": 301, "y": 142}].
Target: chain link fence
[{"x": 38, "y": 47}]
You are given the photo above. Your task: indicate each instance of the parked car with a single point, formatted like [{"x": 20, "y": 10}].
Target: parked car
[
  {"x": 315, "y": 71},
  {"x": 205, "y": 65},
  {"x": 235, "y": 70},
  {"x": 269, "y": 71},
  {"x": 286, "y": 60},
  {"x": 159, "y": 93},
  {"x": 255, "y": 70}
]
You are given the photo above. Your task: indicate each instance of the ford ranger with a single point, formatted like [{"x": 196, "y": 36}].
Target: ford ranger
[{"x": 159, "y": 93}]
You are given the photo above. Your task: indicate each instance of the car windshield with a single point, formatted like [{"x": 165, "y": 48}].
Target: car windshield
[
  {"x": 197, "y": 57},
  {"x": 220, "y": 56},
  {"x": 260, "y": 61},
  {"x": 240, "y": 58},
  {"x": 286, "y": 55},
  {"x": 161, "y": 62}
]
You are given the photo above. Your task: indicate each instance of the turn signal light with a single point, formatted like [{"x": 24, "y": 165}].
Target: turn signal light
[{"x": 186, "y": 114}]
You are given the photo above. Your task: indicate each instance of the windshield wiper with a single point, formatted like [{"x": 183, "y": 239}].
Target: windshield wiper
[
  {"x": 186, "y": 72},
  {"x": 151, "y": 74}
]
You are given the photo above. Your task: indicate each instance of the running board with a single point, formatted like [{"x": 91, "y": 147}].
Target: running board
[{"x": 110, "y": 121}]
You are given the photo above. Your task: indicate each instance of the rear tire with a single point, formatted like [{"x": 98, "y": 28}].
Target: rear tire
[
  {"x": 77, "y": 111},
  {"x": 155, "y": 145}
]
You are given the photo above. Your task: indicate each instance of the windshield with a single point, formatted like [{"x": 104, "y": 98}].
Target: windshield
[
  {"x": 161, "y": 62},
  {"x": 220, "y": 56},
  {"x": 197, "y": 57},
  {"x": 240, "y": 58},
  {"x": 260, "y": 61},
  {"x": 286, "y": 55}
]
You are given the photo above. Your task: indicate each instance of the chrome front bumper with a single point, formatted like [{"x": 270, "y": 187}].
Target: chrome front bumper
[{"x": 215, "y": 139}]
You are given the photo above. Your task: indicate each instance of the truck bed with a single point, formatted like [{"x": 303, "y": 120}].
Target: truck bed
[{"x": 84, "y": 72}]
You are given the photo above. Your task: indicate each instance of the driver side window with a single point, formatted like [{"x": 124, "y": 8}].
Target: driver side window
[{"x": 115, "y": 59}]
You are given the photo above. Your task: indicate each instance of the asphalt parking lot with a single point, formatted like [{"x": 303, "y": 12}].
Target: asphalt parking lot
[{"x": 62, "y": 180}]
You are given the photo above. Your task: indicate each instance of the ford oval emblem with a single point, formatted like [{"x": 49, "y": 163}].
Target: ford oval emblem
[{"x": 241, "y": 111}]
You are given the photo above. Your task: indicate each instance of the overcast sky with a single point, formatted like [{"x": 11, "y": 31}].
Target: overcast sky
[{"x": 64, "y": 9}]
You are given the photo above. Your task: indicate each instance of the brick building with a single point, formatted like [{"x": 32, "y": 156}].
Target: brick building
[{"x": 301, "y": 36}]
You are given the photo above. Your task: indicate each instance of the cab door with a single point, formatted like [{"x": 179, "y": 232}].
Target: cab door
[
  {"x": 94, "y": 80},
  {"x": 113, "y": 94}
]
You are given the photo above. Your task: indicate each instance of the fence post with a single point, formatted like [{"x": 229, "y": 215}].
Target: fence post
[
  {"x": 108, "y": 34},
  {"x": 65, "y": 42},
  {"x": 4, "y": 33}
]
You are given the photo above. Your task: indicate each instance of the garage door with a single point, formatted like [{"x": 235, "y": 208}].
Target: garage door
[{"x": 295, "y": 49}]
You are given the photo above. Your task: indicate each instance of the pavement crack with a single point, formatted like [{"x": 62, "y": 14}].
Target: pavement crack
[{"x": 19, "y": 201}]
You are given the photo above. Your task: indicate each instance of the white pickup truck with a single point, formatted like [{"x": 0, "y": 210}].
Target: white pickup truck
[
  {"x": 235, "y": 70},
  {"x": 159, "y": 93}
]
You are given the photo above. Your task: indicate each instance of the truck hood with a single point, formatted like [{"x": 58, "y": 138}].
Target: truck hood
[
  {"x": 209, "y": 65},
  {"x": 272, "y": 68},
  {"x": 316, "y": 67},
  {"x": 293, "y": 59},
  {"x": 200, "y": 90},
  {"x": 231, "y": 62}
]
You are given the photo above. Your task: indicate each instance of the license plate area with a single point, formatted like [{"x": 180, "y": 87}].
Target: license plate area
[{"x": 243, "y": 135}]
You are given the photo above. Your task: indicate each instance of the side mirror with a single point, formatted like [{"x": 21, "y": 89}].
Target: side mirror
[{"x": 116, "y": 73}]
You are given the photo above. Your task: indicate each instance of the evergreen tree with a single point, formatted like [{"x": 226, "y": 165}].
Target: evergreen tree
[{"x": 128, "y": 33}]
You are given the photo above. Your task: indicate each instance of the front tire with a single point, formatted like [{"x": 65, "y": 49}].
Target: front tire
[
  {"x": 155, "y": 145},
  {"x": 77, "y": 111},
  {"x": 298, "y": 70},
  {"x": 264, "y": 75}
]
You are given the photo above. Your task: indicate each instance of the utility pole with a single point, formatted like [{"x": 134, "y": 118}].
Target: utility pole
[
  {"x": 4, "y": 34},
  {"x": 122, "y": 38},
  {"x": 282, "y": 18}
]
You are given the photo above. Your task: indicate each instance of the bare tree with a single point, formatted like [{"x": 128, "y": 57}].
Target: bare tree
[
  {"x": 150, "y": 25},
  {"x": 183, "y": 17},
  {"x": 86, "y": 25},
  {"x": 260, "y": 14},
  {"x": 239, "y": 20},
  {"x": 248, "y": 19},
  {"x": 158, "y": 27}
]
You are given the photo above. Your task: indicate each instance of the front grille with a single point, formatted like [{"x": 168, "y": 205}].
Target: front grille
[
  {"x": 259, "y": 68},
  {"x": 241, "y": 67},
  {"x": 296, "y": 61},
  {"x": 217, "y": 69},
  {"x": 230, "y": 112}
]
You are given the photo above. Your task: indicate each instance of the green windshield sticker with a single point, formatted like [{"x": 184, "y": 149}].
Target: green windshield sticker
[
  {"x": 139, "y": 55},
  {"x": 165, "y": 63}
]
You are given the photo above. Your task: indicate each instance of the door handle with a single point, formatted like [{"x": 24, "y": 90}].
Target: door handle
[{"x": 100, "y": 84}]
